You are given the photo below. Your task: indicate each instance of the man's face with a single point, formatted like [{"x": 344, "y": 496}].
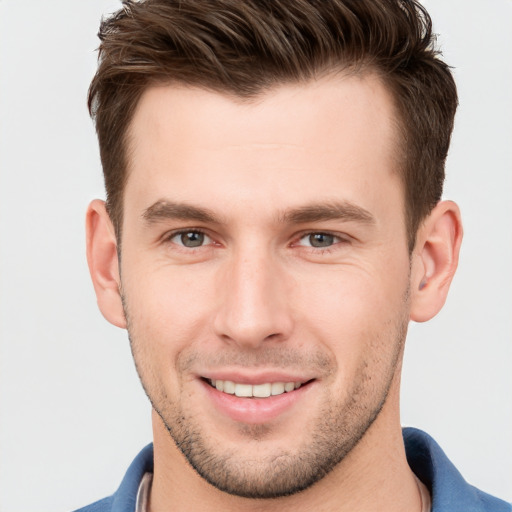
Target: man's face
[{"x": 264, "y": 249}]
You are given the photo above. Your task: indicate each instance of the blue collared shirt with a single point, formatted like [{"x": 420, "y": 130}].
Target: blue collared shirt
[{"x": 449, "y": 491}]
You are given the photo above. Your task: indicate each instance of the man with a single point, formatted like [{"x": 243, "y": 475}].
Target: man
[{"x": 273, "y": 221}]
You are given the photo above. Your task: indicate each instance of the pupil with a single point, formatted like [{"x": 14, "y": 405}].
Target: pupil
[
  {"x": 321, "y": 240},
  {"x": 192, "y": 239}
]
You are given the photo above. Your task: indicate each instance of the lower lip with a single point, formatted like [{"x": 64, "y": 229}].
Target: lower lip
[{"x": 255, "y": 410}]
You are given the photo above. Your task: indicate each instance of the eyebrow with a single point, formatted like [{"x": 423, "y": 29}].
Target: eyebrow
[
  {"x": 328, "y": 211},
  {"x": 165, "y": 210}
]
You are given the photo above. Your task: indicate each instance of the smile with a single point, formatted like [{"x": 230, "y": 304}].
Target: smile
[{"x": 254, "y": 391}]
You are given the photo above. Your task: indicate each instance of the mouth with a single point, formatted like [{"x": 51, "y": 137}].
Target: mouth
[
  {"x": 263, "y": 390},
  {"x": 263, "y": 400}
]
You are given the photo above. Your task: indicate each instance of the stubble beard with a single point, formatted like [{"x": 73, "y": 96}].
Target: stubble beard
[{"x": 338, "y": 428}]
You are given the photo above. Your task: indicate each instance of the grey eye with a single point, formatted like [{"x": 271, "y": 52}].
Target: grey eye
[
  {"x": 190, "y": 239},
  {"x": 320, "y": 239}
]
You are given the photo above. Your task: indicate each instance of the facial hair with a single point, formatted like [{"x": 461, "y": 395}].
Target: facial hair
[{"x": 336, "y": 429}]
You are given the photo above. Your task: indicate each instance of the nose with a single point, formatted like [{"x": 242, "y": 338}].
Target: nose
[{"x": 253, "y": 306}]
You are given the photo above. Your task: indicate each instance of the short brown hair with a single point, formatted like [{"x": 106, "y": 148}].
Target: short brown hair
[{"x": 245, "y": 47}]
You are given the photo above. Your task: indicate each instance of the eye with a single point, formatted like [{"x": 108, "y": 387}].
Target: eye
[
  {"x": 190, "y": 239},
  {"x": 319, "y": 240}
]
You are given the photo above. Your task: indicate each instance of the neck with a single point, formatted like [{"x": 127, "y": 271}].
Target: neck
[{"x": 373, "y": 476}]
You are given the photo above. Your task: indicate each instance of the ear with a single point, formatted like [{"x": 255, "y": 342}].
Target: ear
[
  {"x": 103, "y": 263},
  {"x": 434, "y": 260}
]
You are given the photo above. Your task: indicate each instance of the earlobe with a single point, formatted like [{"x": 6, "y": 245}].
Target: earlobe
[
  {"x": 434, "y": 260},
  {"x": 103, "y": 263}
]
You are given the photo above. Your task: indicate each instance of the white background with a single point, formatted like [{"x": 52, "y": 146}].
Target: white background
[{"x": 72, "y": 412}]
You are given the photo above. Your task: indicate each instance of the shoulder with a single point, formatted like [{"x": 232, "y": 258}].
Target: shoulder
[
  {"x": 449, "y": 491},
  {"x": 124, "y": 499},
  {"x": 104, "y": 505}
]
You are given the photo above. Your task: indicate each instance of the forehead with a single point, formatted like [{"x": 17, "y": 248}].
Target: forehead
[{"x": 334, "y": 135}]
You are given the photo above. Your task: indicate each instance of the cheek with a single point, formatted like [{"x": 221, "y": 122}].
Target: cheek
[
  {"x": 166, "y": 309},
  {"x": 351, "y": 292},
  {"x": 352, "y": 307}
]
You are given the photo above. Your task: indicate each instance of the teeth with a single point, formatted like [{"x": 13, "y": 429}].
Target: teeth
[
  {"x": 258, "y": 390},
  {"x": 229, "y": 387},
  {"x": 262, "y": 390},
  {"x": 243, "y": 390},
  {"x": 277, "y": 388},
  {"x": 289, "y": 386}
]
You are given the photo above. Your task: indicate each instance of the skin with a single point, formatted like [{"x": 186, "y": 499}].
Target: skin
[{"x": 256, "y": 184}]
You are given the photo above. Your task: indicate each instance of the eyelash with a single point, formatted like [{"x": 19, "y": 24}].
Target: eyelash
[
  {"x": 339, "y": 240},
  {"x": 317, "y": 250},
  {"x": 169, "y": 236}
]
